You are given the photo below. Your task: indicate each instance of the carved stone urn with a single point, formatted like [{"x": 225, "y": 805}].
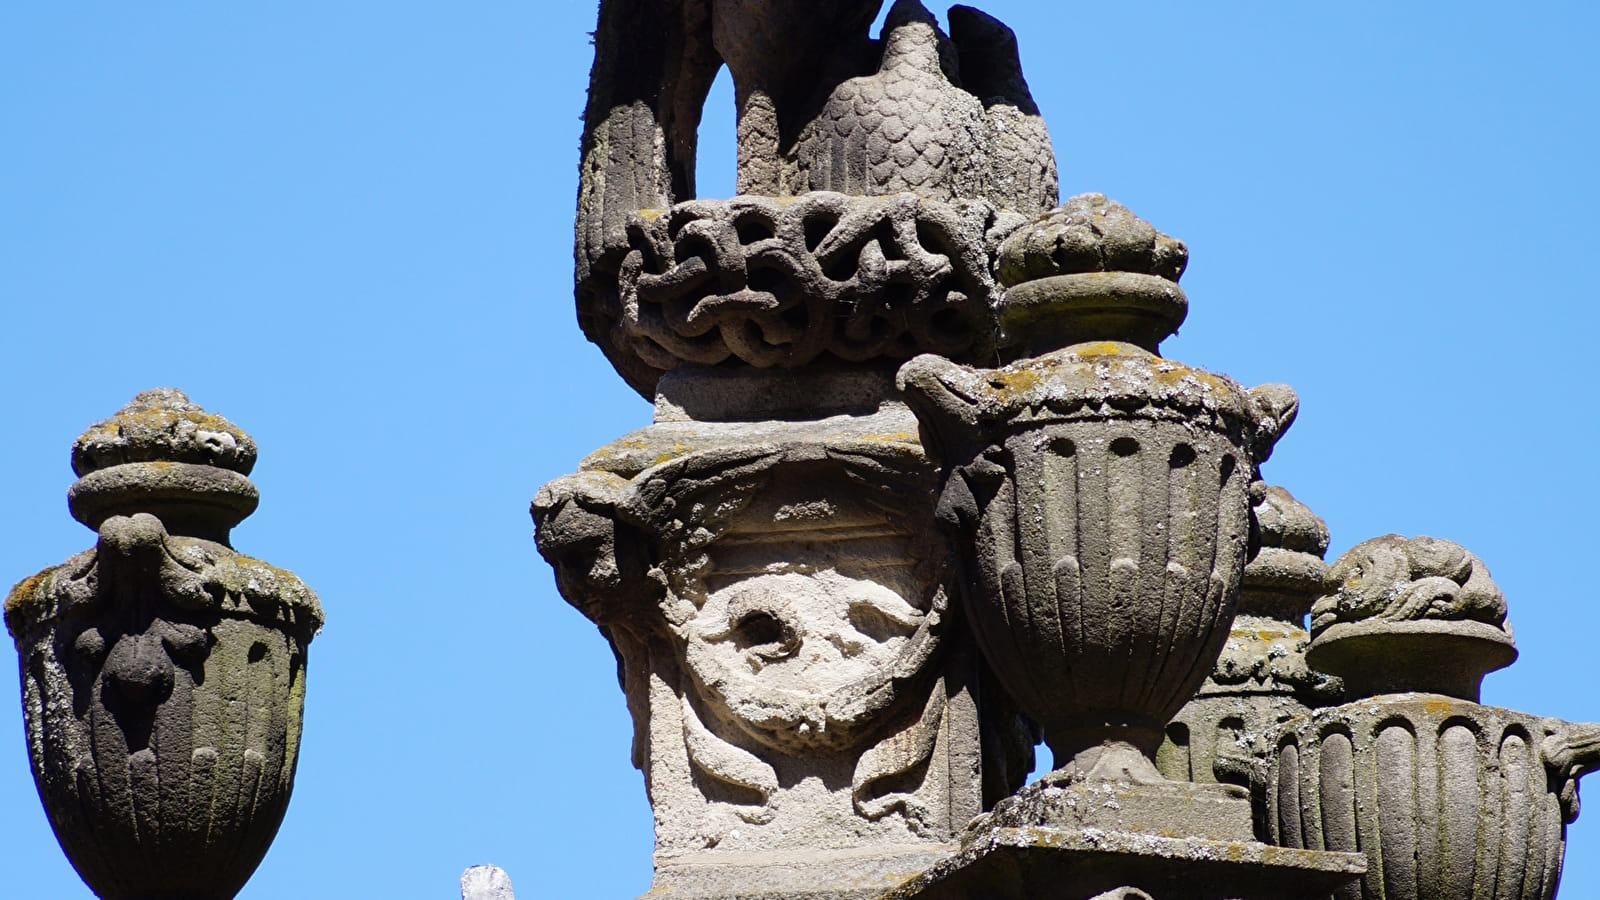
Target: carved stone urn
[
  {"x": 1103, "y": 492},
  {"x": 1448, "y": 798},
  {"x": 163, "y": 673},
  {"x": 1101, "y": 496}
]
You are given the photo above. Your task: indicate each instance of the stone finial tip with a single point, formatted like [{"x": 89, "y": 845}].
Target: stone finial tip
[
  {"x": 163, "y": 425},
  {"x": 1090, "y": 270},
  {"x": 1398, "y": 579},
  {"x": 486, "y": 882},
  {"x": 1288, "y": 524},
  {"x": 1090, "y": 233}
]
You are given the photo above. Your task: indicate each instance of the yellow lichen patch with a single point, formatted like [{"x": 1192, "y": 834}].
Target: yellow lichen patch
[
  {"x": 650, "y": 215},
  {"x": 1101, "y": 348},
  {"x": 895, "y": 437},
  {"x": 1016, "y": 379},
  {"x": 1439, "y": 707},
  {"x": 27, "y": 601}
]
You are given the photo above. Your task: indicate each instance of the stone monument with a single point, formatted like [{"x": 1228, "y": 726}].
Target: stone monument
[{"x": 920, "y": 490}]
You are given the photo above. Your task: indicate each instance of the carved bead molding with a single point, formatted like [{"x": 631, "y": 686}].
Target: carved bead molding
[{"x": 163, "y": 673}]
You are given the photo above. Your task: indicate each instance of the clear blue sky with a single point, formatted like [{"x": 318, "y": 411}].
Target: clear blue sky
[{"x": 346, "y": 225}]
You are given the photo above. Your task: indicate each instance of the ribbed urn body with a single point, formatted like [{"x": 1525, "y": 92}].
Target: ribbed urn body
[
  {"x": 163, "y": 672},
  {"x": 1117, "y": 544},
  {"x": 1448, "y": 799},
  {"x": 1105, "y": 495},
  {"x": 164, "y": 744}
]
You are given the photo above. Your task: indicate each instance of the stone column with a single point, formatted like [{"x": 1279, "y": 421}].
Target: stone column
[
  {"x": 163, "y": 673},
  {"x": 764, "y": 558}
]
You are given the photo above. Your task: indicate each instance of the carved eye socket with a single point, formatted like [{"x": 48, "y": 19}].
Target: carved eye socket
[{"x": 764, "y": 635}]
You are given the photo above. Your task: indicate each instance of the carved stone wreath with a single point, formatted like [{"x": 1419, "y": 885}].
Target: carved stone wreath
[{"x": 782, "y": 282}]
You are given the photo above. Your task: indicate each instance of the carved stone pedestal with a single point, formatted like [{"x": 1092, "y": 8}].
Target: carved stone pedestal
[{"x": 764, "y": 560}]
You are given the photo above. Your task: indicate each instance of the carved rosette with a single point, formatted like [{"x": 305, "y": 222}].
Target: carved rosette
[
  {"x": 163, "y": 673},
  {"x": 1104, "y": 494},
  {"x": 1447, "y": 798}
]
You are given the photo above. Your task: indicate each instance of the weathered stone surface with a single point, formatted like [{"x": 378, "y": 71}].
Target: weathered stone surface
[
  {"x": 486, "y": 883},
  {"x": 1261, "y": 679},
  {"x": 1415, "y": 614},
  {"x": 1090, "y": 864},
  {"x": 163, "y": 673},
  {"x": 777, "y": 595},
  {"x": 791, "y": 281},
  {"x": 1056, "y": 470},
  {"x": 1088, "y": 270},
  {"x": 1447, "y": 798}
]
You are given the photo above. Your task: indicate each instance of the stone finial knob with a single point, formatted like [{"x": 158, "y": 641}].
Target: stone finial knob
[
  {"x": 486, "y": 883},
  {"x": 1090, "y": 270},
  {"x": 1288, "y": 572},
  {"x": 163, "y": 455},
  {"x": 1417, "y": 614}
]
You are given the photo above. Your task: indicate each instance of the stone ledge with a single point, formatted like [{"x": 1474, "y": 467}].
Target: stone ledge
[{"x": 1055, "y": 864}]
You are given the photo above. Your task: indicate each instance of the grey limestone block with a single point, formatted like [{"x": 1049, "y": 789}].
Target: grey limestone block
[{"x": 163, "y": 672}]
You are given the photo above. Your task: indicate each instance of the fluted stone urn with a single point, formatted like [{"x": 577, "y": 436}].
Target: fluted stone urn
[
  {"x": 1101, "y": 496},
  {"x": 1448, "y": 798},
  {"x": 163, "y": 673},
  {"x": 1104, "y": 492},
  {"x": 1261, "y": 680}
]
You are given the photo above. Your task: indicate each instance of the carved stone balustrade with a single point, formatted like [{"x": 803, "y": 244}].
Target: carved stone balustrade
[{"x": 163, "y": 673}]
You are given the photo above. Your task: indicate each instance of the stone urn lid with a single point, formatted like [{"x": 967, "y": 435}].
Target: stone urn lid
[
  {"x": 1090, "y": 270},
  {"x": 1410, "y": 614},
  {"x": 164, "y": 455}
]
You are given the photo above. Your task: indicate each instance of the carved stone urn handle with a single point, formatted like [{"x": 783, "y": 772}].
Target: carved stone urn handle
[
  {"x": 163, "y": 674},
  {"x": 1571, "y": 750}
]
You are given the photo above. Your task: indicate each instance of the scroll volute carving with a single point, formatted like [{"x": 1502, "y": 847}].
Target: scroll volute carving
[{"x": 163, "y": 673}]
